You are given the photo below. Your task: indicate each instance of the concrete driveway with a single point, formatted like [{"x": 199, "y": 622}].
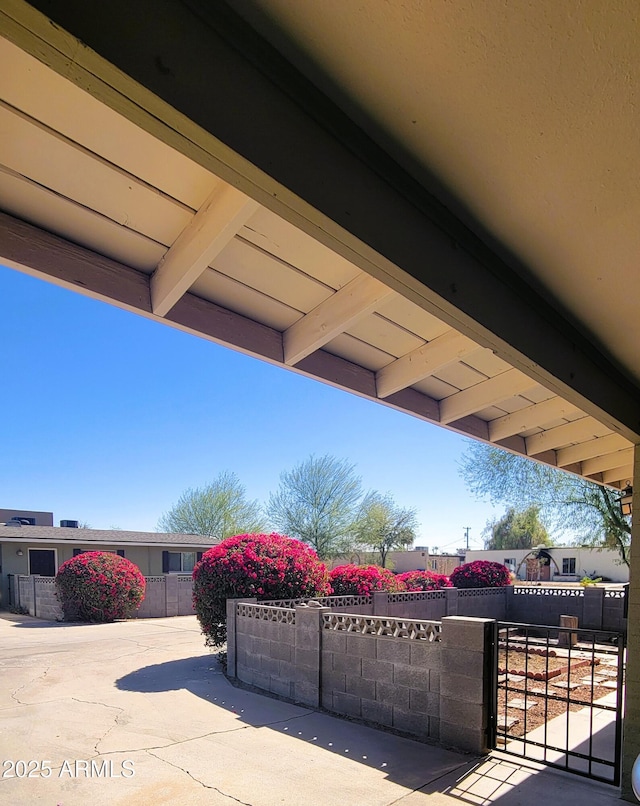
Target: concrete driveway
[{"x": 138, "y": 712}]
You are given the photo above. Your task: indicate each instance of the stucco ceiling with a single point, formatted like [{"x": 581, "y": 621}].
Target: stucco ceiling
[{"x": 528, "y": 112}]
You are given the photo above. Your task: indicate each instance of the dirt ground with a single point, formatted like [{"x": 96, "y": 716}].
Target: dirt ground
[{"x": 546, "y": 699}]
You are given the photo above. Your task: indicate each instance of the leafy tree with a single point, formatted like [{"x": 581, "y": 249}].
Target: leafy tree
[
  {"x": 568, "y": 502},
  {"x": 218, "y": 510},
  {"x": 317, "y": 502},
  {"x": 383, "y": 526},
  {"x": 517, "y": 530}
]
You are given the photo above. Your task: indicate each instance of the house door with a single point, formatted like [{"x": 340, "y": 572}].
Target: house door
[{"x": 43, "y": 562}]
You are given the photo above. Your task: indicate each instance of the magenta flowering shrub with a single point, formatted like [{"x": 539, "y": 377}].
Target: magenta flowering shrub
[
  {"x": 265, "y": 566},
  {"x": 99, "y": 586},
  {"x": 424, "y": 581},
  {"x": 481, "y": 574},
  {"x": 362, "y": 580}
]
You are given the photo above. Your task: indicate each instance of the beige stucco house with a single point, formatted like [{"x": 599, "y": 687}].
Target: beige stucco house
[{"x": 41, "y": 550}]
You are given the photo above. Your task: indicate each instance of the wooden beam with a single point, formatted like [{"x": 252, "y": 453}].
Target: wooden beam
[
  {"x": 222, "y": 82},
  {"x": 422, "y": 362},
  {"x": 601, "y": 463},
  {"x": 586, "y": 428},
  {"x": 352, "y": 302},
  {"x": 591, "y": 448},
  {"x": 222, "y": 215},
  {"x": 530, "y": 417},
  {"x": 618, "y": 474},
  {"x": 484, "y": 394},
  {"x": 40, "y": 253}
]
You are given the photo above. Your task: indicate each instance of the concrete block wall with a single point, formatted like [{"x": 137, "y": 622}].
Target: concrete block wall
[
  {"x": 185, "y": 595},
  {"x": 435, "y": 605},
  {"x": 261, "y": 646},
  {"x": 595, "y": 608},
  {"x": 153, "y": 605},
  {"x": 388, "y": 681},
  {"x": 483, "y": 602},
  {"x": 47, "y": 605},
  {"x": 465, "y": 683},
  {"x": 392, "y": 672},
  {"x": 166, "y": 595},
  {"x": 27, "y": 593}
]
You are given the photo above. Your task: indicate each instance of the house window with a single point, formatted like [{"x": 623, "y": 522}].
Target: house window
[
  {"x": 178, "y": 562},
  {"x": 43, "y": 562},
  {"x": 433, "y": 564},
  {"x": 568, "y": 565},
  {"x": 510, "y": 562}
]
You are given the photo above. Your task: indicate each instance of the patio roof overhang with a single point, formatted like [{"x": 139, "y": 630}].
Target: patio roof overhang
[{"x": 180, "y": 165}]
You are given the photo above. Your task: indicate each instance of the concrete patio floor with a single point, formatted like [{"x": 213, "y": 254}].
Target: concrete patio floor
[{"x": 138, "y": 712}]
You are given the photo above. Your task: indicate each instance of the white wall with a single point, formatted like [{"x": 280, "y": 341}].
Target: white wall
[{"x": 605, "y": 562}]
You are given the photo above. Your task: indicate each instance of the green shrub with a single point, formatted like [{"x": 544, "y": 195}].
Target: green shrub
[
  {"x": 99, "y": 586},
  {"x": 261, "y": 566}
]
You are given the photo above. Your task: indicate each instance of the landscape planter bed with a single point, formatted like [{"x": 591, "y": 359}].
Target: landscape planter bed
[{"x": 541, "y": 664}]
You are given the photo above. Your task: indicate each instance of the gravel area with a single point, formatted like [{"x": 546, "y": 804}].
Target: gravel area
[{"x": 545, "y": 700}]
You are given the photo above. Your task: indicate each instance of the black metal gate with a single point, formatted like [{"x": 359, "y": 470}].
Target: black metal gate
[{"x": 557, "y": 697}]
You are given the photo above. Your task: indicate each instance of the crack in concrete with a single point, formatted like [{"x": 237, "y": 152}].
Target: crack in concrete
[
  {"x": 15, "y": 692},
  {"x": 194, "y": 738},
  {"x": 198, "y": 781}
]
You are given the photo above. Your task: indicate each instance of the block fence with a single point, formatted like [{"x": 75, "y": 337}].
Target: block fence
[
  {"x": 166, "y": 595},
  {"x": 596, "y": 608},
  {"x": 424, "y": 678}
]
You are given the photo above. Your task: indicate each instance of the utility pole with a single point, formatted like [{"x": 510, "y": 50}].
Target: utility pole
[{"x": 466, "y": 534}]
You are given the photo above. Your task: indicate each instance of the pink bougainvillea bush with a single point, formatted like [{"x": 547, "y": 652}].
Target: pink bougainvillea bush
[
  {"x": 99, "y": 586},
  {"x": 481, "y": 574},
  {"x": 362, "y": 580},
  {"x": 265, "y": 566},
  {"x": 424, "y": 581}
]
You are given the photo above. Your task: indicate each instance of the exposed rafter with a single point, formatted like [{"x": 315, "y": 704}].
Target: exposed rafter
[
  {"x": 586, "y": 428},
  {"x": 422, "y": 362},
  {"x": 591, "y": 449},
  {"x": 619, "y": 475},
  {"x": 601, "y": 463},
  {"x": 333, "y": 316},
  {"x": 530, "y": 417},
  {"x": 484, "y": 394},
  {"x": 213, "y": 226}
]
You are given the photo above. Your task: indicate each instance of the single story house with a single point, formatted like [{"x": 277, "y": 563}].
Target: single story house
[
  {"x": 27, "y": 549},
  {"x": 558, "y": 563}
]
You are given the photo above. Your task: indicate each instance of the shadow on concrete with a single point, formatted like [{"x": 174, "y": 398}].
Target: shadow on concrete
[
  {"x": 516, "y": 782},
  {"x": 427, "y": 769},
  {"x": 405, "y": 761}
]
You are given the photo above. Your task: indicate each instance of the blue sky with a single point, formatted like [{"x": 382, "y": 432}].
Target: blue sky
[{"x": 108, "y": 417}]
